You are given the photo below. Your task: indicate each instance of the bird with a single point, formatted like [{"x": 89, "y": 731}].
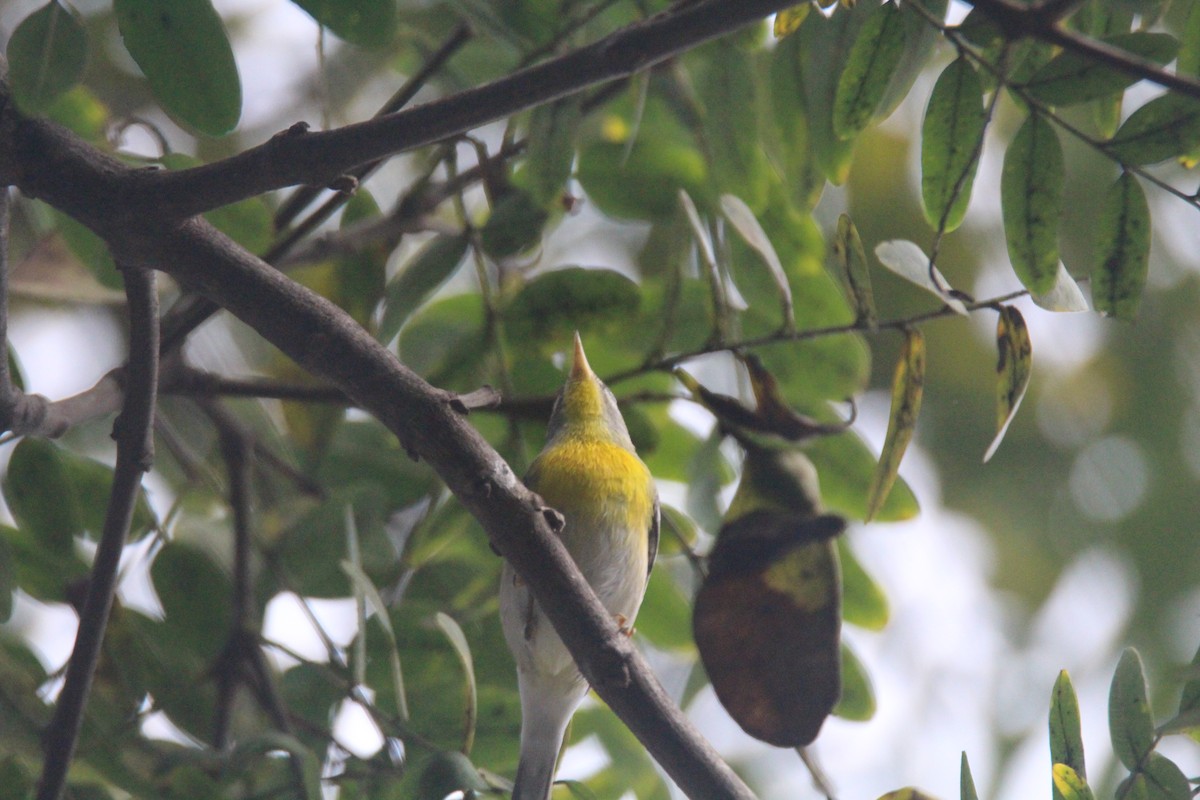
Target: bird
[{"x": 589, "y": 471}]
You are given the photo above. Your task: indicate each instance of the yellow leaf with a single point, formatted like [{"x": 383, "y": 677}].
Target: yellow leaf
[
  {"x": 788, "y": 20},
  {"x": 1012, "y": 371},
  {"x": 907, "y": 386}
]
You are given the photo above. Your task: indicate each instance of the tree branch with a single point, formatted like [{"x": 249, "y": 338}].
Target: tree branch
[
  {"x": 70, "y": 175},
  {"x": 1041, "y": 22},
  {"x": 297, "y": 156},
  {"x": 135, "y": 452}
]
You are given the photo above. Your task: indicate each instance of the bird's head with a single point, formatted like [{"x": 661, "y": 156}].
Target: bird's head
[{"x": 586, "y": 407}]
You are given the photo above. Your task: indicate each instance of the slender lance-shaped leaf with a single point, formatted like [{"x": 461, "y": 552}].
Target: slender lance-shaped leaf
[
  {"x": 462, "y": 649},
  {"x": 852, "y": 258},
  {"x": 909, "y": 261},
  {"x": 1188, "y": 63},
  {"x": 1165, "y": 127},
  {"x": 907, "y": 386},
  {"x": 1066, "y": 739},
  {"x": 551, "y": 150},
  {"x": 950, "y": 142},
  {"x": 182, "y": 48},
  {"x": 1129, "y": 721},
  {"x": 362, "y": 585},
  {"x": 1031, "y": 187},
  {"x": 742, "y": 218},
  {"x": 966, "y": 783},
  {"x": 872, "y": 61},
  {"x": 1069, "y": 785},
  {"x": 1013, "y": 367},
  {"x": 46, "y": 56},
  {"x": 419, "y": 279},
  {"x": 1071, "y": 78},
  {"x": 1123, "y": 250}
]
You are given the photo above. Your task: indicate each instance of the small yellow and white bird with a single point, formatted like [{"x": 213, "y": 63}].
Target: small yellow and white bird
[{"x": 589, "y": 471}]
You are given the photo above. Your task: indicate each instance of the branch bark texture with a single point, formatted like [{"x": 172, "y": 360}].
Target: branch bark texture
[{"x": 145, "y": 217}]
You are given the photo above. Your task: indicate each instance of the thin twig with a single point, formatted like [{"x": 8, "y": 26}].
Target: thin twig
[
  {"x": 304, "y": 195},
  {"x": 135, "y": 453},
  {"x": 1041, "y": 22},
  {"x": 859, "y": 326},
  {"x": 235, "y": 451}
]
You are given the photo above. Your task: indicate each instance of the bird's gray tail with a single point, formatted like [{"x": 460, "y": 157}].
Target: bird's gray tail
[{"x": 544, "y": 722}]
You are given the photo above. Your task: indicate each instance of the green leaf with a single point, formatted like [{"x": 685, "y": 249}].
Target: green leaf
[
  {"x": 665, "y": 618},
  {"x": 82, "y": 112},
  {"x": 1189, "y": 44},
  {"x": 447, "y": 773},
  {"x": 270, "y": 744},
  {"x": 1013, "y": 367},
  {"x": 40, "y": 570},
  {"x": 851, "y": 259},
  {"x": 863, "y": 602},
  {"x": 908, "y": 384},
  {"x": 462, "y": 648},
  {"x": 1122, "y": 250},
  {"x": 1188, "y": 718},
  {"x": 15, "y": 782},
  {"x": 89, "y": 249},
  {"x": 642, "y": 180},
  {"x": 57, "y": 495},
  {"x": 195, "y": 594},
  {"x": 869, "y": 67},
  {"x": 857, "y": 702},
  {"x": 951, "y": 139},
  {"x": 846, "y": 467},
  {"x": 550, "y": 151},
  {"x": 909, "y": 261},
  {"x": 823, "y": 45},
  {"x": 1163, "y": 128},
  {"x": 728, "y": 89},
  {"x": 1129, "y": 722},
  {"x": 786, "y": 135},
  {"x": 46, "y": 56},
  {"x": 1031, "y": 187},
  {"x": 1164, "y": 779},
  {"x": 423, "y": 275},
  {"x": 743, "y": 220},
  {"x": 708, "y": 471},
  {"x": 553, "y": 305},
  {"x": 966, "y": 783},
  {"x": 1071, "y": 77},
  {"x": 1066, "y": 738},
  {"x": 365, "y": 22},
  {"x": 1069, "y": 785},
  {"x": 182, "y": 48},
  {"x": 514, "y": 226},
  {"x": 38, "y": 493}
]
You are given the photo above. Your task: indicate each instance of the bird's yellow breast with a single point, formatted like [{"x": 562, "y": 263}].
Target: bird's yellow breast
[{"x": 594, "y": 483}]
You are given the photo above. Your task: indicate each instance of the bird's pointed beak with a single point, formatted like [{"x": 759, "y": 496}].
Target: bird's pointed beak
[{"x": 579, "y": 367}]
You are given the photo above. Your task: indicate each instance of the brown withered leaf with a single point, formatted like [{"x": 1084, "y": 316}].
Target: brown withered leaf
[{"x": 767, "y": 622}]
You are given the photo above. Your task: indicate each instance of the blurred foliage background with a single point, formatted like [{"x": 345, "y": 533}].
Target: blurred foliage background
[{"x": 1078, "y": 537}]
